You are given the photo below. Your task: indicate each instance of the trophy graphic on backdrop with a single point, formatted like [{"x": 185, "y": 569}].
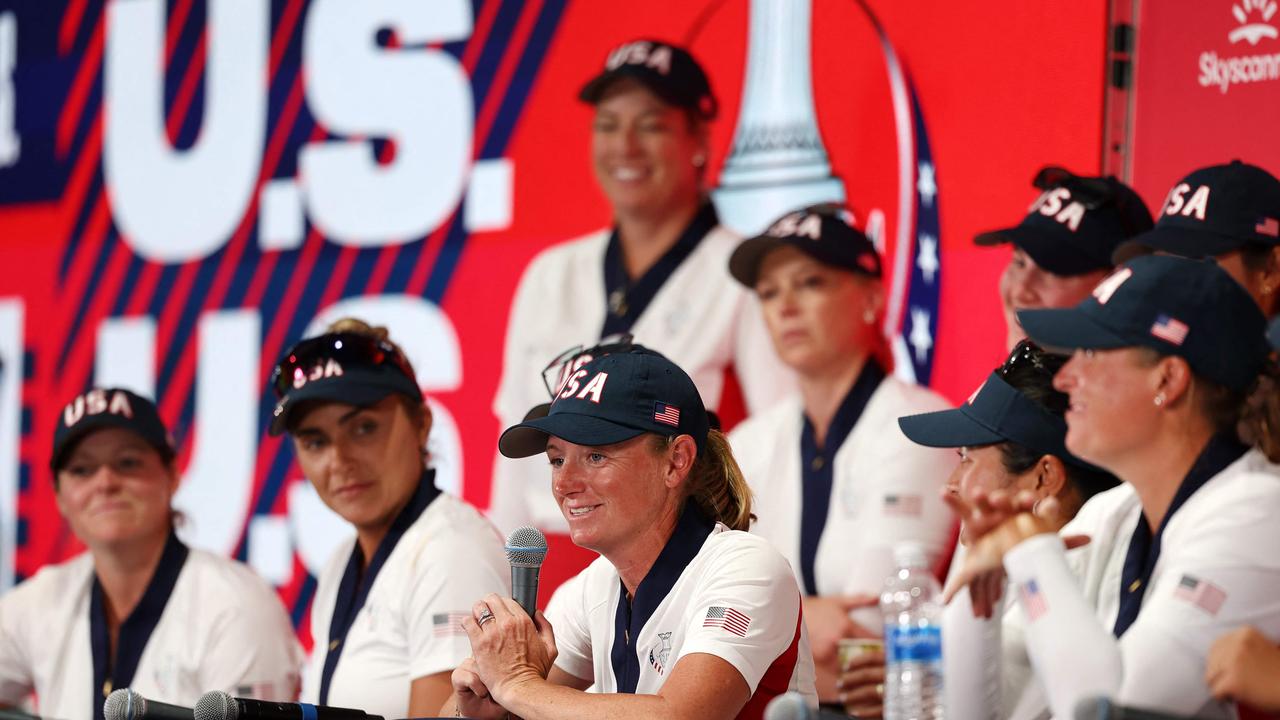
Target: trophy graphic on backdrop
[{"x": 777, "y": 162}]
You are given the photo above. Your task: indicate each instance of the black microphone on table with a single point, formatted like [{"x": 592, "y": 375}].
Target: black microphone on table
[
  {"x": 793, "y": 706},
  {"x": 1100, "y": 708},
  {"x": 526, "y": 549},
  {"x": 219, "y": 705},
  {"x": 127, "y": 704}
]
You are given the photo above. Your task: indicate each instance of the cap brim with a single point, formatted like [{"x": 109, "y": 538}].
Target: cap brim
[
  {"x": 947, "y": 429},
  {"x": 1067, "y": 329},
  {"x": 90, "y": 425},
  {"x": 744, "y": 263},
  {"x": 1187, "y": 242},
  {"x": 348, "y": 392},
  {"x": 596, "y": 87},
  {"x": 1052, "y": 254},
  {"x": 530, "y": 438}
]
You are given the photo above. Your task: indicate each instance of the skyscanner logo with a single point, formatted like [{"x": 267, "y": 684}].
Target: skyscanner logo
[{"x": 1254, "y": 18}]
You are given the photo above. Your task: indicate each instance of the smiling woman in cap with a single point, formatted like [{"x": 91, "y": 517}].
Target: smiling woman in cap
[
  {"x": 1168, "y": 352},
  {"x": 140, "y": 609},
  {"x": 683, "y": 615},
  {"x": 386, "y": 608},
  {"x": 1064, "y": 245},
  {"x": 841, "y": 483},
  {"x": 657, "y": 273}
]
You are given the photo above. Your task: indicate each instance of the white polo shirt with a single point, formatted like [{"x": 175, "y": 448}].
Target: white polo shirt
[
  {"x": 712, "y": 590},
  {"x": 884, "y": 489},
  {"x": 1218, "y": 570},
  {"x": 220, "y": 627},
  {"x": 701, "y": 319},
  {"x": 446, "y": 557}
]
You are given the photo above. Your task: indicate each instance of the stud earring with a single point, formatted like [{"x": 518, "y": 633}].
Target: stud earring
[
  {"x": 869, "y": 317},
  {"x": 699, "y": 159},
  {"x": 1159, "y": 400}
]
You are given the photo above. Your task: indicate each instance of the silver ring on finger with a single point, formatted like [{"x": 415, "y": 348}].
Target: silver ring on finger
[{"x": 485, "y": 616}]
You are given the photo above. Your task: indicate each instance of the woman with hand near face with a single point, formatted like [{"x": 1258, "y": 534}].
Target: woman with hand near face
[
  {"x": 387, "y": 606},
  {"x": 1169, "y": 378},
  {"x": 837, "y": 482},
  {"x": 683, "y": 615},
  {"x": 657, "y": 274},
  {"x": 139, "y": 609}
]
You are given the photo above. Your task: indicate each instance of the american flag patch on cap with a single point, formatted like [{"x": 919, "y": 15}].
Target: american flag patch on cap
[
  {"x": 1201, "y": 593},
  {"x": 1033, "y": 602},
  {"x": 1171, "y": 330},
  {"x": 904, "y": 505},
  {"x": 1268, "y": 226},
  {"x": 727, "y": 618},
  {"x": 666, "y": 414},
  {"x": 444, "y": 624}
]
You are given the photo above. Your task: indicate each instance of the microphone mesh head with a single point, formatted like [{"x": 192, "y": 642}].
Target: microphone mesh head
[
  {"x": 122, "y": 704},
  {"x": 216, "y": 705},
  {"x": 526, "y": 547}
]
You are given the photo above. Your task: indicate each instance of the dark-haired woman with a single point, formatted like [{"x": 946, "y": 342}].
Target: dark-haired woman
[
  {"x": 1184, "y": 549},
  {"x": 684, "y": 615},
  {"x": 386, "y": 609}
]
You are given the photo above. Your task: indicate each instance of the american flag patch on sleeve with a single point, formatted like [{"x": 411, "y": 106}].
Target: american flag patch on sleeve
[
  {"x": 1033, "y": 602},
  {"x": 1201, "y": 593},
  {"x": 666, "y": 414},
  {"x": 727, "y": 618},
  {"x": 445, "y": 624},
  {"x": 903, "y": 505},
  {"x": 1170, "y": 330}
]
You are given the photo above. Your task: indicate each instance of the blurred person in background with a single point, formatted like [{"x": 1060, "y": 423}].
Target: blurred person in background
[
  {"x": 139, "y": 609},
  {"x": 658, "y": 273},
  {"x": 837, "y": 483},
  {"x": 1064, "y": 245},
  {"x": 388, "y": 604}
]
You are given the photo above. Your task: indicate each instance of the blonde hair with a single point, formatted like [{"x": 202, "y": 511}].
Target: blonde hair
[{"x": 716, "y": 482}]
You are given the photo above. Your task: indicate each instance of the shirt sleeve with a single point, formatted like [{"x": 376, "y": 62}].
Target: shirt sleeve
[
  {"x": 971, "y": 656},
  {"x": 446, "y": 586},
  {"x": 747, "y": 612},
  {"x": 252, "y": 650},
  {"x": 567, "y": 613},
  {"x": 16, "y": 682}
]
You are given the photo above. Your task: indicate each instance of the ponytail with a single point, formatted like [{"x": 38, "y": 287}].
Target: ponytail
[
  {"x": 716, "y": 482},
  {"x": 1259, "y": 423}
]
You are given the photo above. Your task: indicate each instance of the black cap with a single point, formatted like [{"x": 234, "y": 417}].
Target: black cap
[
  {"x": 349, "y": 368},
  {"x": 667, "y": 70},
  {"x": 820, "y": 233},
  {"x": 1176, "y": 306},
  {"x": 101, "y": 408},
  {"x": 1215, "y": 210},
  {"x": 996, "y": 413},
  {"x": 611, "y": 399},
  {"x": 1076, "y": 223}
]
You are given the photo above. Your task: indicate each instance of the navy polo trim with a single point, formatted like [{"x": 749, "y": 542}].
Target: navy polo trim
[
  {"x": 817, "y": 467},
  {"x": 353, "y": 591},
  {"x": 111, "y": 673},
  {"x": 1144, "y": 549},
  {"x": 691, "y": 531},
  {"x": 625, "y": 299}
]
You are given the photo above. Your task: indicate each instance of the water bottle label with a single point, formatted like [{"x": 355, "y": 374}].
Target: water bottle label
[{"x": 913, "y": 644}]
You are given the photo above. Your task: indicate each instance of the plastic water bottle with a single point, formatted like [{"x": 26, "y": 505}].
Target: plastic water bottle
[{"x": 912, "y": 638}]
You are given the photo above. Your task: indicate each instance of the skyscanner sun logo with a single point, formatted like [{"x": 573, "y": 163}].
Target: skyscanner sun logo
[{"x": 1254, "y": 17}]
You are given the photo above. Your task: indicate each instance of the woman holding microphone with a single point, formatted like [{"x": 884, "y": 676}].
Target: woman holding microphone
[
  {"x": 387, "y": 606},
  {"x": 841, "y": 483}
]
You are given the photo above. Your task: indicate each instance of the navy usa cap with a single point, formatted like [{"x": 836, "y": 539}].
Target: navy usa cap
[
  {"x": 102, "y": 408},
  {"x": 1076, "y": 223},
  {"x": 669, "y": 71},
  {"x": 819, "y": 233},
  {"x": 1215, "y": 210},
  {"x": 1176, "y": 306},
  {"x": 614, "y": 398}
]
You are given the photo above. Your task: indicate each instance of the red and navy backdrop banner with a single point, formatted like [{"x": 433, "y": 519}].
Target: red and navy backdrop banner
[{"x": 188, "y": 186}]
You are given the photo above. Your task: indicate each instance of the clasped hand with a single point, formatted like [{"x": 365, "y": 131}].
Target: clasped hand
[{"x": 508, "y": 648}]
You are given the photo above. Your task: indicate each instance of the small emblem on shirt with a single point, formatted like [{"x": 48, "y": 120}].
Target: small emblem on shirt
[
  {"x": 903, "y": 505},
  {"x": 1033, "y": 602},
  {"x": 1201, "y": 593},
  {"x": 659, "y": 656},
  {"x": 446, "y": 624},
  {"x": 727, "y": 618}
]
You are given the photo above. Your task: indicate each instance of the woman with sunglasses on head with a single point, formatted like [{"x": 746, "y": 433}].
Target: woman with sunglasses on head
[
  {"x": 387, "y": 606},
  {"x": 840, "y": 483},
  {"x": 1009, "y": 437},
  {"x": 1064, "y": 245},
  {"x": 1169, "y": 385},
  {"x": 657, "y": 273},
  {"x": 683, "y": 615},
  {"x": 139, "y": 609}
]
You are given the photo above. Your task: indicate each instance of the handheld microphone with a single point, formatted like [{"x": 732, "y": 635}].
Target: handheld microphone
[
  {"x": 526, "y": 549},
  {"x": 792, "y": 706},
  {"x": 127, "y": 704},
  {"x": 1100, "y": 708},
  {"x": 218, "y": 705}
]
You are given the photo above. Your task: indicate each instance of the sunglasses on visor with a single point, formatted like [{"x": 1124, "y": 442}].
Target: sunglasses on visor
[{"x": 350, "y": 350}]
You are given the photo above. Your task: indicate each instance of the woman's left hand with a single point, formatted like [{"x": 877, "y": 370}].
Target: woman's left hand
[{"x": 508, "y": 648}]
